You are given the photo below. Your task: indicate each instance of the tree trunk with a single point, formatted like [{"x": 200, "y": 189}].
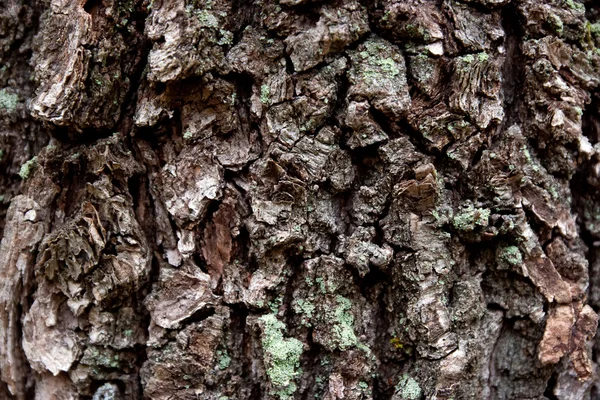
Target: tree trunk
[{"x": 297, "y": 199}]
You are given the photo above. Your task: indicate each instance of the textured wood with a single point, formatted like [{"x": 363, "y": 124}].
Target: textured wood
[{"x": 293, "y": 199}]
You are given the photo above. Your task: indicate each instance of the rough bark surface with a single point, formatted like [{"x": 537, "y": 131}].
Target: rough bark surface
[{"x": 296, "y": 199}]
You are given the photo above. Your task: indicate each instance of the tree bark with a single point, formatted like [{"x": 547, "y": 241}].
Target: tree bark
[{"x": 296, "y": 199}]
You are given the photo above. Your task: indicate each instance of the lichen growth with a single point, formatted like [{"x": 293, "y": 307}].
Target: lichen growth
[
  {"x": 224, "y": 360},
  {"x": 574, "y": 5},
  {"x": 27, "y": 168},
  {"x": 282, "y": 356},
  {"x": 414, "y": 31},
  {"x": 422, "y": 67},
  {"x": 470, "y": 218},
  {"x": 408, "y": 388},
  {"x": 306, "y": 309},
  {"x": 8, "y": 101},
  {"x": 595, "y": 29},
  {"x": 207, "y": 19},
  {"x": 388, "y": 65},
  {"x": 226, "y": 37},
  {"x": 343, "y": 328},
  {"x": 321, "y": 284},
  {"x": 378, "y": 68},
  {"x": 467, "y": 59},
  {"x": 511, "y": 255},
  {"x": 555, "y": 23},
  {"x": 101, "y": 357},
  {"x": 265, "y": 92}
]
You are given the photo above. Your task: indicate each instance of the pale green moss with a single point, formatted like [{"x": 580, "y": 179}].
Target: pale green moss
[
  {"x": 282, "y": 356},
  {"x": 408, "y": 388},
  {"x": 8, "y": 101},
  {"x": 470, "y": 218},
  {"x": 27, "y": 168},
  {"x": 265, "y": 92}
]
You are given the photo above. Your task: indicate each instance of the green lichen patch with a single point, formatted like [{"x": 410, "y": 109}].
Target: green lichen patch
[
  {"x": 511, "y": 255},
  {"x": 555, "y": 23},
  {"x": 105, "y": 357},
  {"x": 8, "y": 101},
  {"x": 223, "y": 360},
  {"x": 469, "y": 218},
  {"x": 421, "y": 67},
  {"x": 464, "y": 64},
  {"x": 343, "y": 328},
  {"x": 376, "y": 62},
  {"x": 408, "y": 388},
  {"x": 469, "y": 58},
  {"x": 207, "y": 19},
  {"x": 27, "y": 168},
  {"x": 282, "y": 356},
  {"x": 265, "y": 92},
  {"x": 379, "y": 68},
  {"x": 595, "y": 29},
  {"x": 304, "y": 308},
  {"x": 226, "y": 37},
  {"x": 575, "y": 5},
  {"x": 388, "y": 65},
  {"x": 416, "y": 31}
]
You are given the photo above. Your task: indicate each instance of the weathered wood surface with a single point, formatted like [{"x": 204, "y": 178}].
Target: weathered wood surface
[{"x": 296, "y": 199}]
